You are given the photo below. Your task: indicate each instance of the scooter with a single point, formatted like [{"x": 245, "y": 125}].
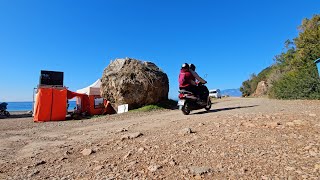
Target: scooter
[
  {"x": 3, "y": 109},
  {"x": 188, "y": 102},
  {"x": 4, "y": 113}
]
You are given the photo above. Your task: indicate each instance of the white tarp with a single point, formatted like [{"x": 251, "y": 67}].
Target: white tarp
[
  {"x": 93, "y": 89},
  {"x": 123, "y": 108}
]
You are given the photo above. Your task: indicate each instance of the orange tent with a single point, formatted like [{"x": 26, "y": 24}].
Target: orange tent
[
  {"x": 51, "y": 104},
  {"x": 97, "y": 104}
]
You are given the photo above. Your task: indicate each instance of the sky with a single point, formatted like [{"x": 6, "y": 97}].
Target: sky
[{"x": 226, "y": 40}]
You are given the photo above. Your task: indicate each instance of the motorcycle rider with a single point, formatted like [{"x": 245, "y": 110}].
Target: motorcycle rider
[
  {"x": 187, "y": 80},
  {"x": 202, "y": 91}
]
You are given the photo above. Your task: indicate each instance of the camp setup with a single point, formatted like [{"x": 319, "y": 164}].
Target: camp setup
[
  {"x": 52, "y": 97},
  {"x": 93, "y": 103}
]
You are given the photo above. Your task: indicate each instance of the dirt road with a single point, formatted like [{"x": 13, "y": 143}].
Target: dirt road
[{"x": 239, "y": 138}]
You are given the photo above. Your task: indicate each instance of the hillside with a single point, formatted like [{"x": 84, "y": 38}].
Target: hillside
[{"x": 294, "y": 74}]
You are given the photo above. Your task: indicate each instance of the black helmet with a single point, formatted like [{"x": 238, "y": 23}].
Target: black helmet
[
  {"x": 192, "y": 67},
  {"x": 185, "y": 66}
]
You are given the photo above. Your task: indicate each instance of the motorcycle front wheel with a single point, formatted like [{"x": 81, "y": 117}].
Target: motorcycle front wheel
[{"x": 208, "y": 107}]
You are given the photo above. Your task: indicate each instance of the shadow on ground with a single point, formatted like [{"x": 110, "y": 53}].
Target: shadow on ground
[
  {"x": 20, "y": 115},
  {"x": 225, "y": 109}
]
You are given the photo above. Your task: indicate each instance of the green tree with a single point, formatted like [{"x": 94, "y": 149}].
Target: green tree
[{"x": 246, "y": 88}]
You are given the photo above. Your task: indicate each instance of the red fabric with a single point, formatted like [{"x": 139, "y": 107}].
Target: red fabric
[
  {"x": 95, "y": 110},
  {"x": 185, "y": 78},
  {"x": 105, "y": 109},
  {"x": 85, "y": 104},
  {"x": 59, "y": 105},
  {"x": 51, "y": 105},
  {"x": 42, "y": 110},
  {"x": 71, "y": 94}
]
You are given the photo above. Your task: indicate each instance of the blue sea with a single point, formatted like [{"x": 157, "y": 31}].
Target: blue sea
[{"x": 27, "y": 106}]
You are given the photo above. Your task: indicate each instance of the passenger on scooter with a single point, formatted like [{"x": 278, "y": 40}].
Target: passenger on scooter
[
  {"x": 186, "y": 79},
  {"x": 202, "y": 91},
  {"x": 192, "y": 69}
]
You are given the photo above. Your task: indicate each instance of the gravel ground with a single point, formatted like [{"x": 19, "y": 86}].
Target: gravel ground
[{"x": 239, "y": 139}]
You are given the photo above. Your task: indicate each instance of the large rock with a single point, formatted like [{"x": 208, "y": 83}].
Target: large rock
[
  {"x": 133, "y": 82},
  {"x": 262, "y": 89}
]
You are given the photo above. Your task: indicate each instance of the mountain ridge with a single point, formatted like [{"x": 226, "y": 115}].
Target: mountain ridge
[{"x": 231, "y": 92}]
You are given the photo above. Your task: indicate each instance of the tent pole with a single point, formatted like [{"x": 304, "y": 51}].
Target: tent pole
[{"x": 33, "y": 100}]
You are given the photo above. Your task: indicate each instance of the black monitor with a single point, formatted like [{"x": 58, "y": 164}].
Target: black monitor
[{"x": 51, "y": 78}]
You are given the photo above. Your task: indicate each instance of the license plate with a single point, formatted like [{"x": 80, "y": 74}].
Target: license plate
[{"x": 181, "y": 102}]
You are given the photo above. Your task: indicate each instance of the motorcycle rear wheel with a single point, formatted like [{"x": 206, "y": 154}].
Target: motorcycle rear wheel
[
  {"x": 6, "y": 113},
  {"x": 185, "y": 110}
]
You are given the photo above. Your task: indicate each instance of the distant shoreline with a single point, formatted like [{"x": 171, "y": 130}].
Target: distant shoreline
[
  {"x": 20, "y": 112},
  {"x": 28, "y": 106}
]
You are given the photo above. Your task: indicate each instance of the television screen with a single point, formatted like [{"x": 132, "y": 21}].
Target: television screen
[{"x": 51, "y": 78}]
